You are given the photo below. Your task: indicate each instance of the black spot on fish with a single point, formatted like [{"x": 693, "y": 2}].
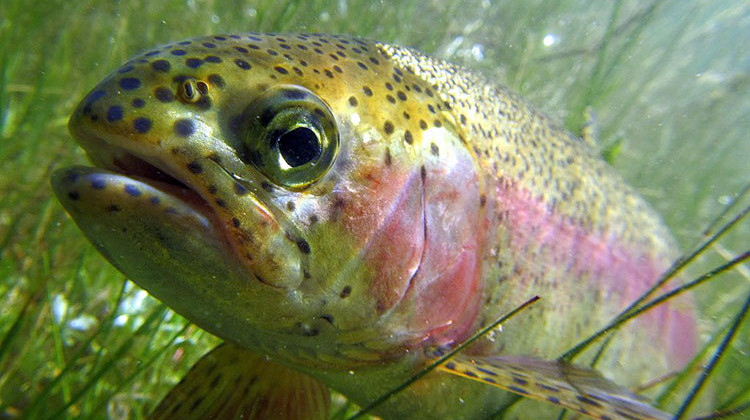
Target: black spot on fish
[
  {"x": 132, "y": 190},
  {"x": 547, "y": 387},
  {"x": 244, "y": 65},
  {"x": 236, "y": 222},
  {"x": 130, "y": 83},
  {"x": 221, "y": 203},
  {"x": 216, "y": 380},
  {"x": 216, "y": 80},
  {"x": 163, "y": 94},
  {"x": 193, "y": 62},
  {"x": 195, "y": 167},
  {"x": 388, "y": 127},
  {"x": 142, "y": 125},
  {"x": 388, "y": 159},
  {"x": 184, "y": 127},
  {"x": 74, "y": 195},
  {"x": 204, "y": 103},
  {"x": 588, "y": 401},
  {"x": 290, "y": 205},
  {"x": 488, "y": 372},
  {"x": 138, "y": 103},
  {"x": 520, "y": 381},
  {"x": 98, "y": 184},
  {"x": 345, "y": 292},
  {"x": 434, "y": 149},
  {"x": 196, "y": 404},
  {"x": 303, "y": 246},
  {"x": 161, "y": 65},
  {"x": 626, "y": 415},
  {"x": 518, "y": 390},
  {"x": 328, "y": 318},
  {"x": 114, "y": 113},
  {"x": 295, "y": 94},
  {"x": 239, "y": 189},
  {"x": 408, "y": 137}
]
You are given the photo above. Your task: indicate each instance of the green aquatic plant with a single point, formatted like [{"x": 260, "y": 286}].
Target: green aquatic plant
[{"x": 72, "y": 338}]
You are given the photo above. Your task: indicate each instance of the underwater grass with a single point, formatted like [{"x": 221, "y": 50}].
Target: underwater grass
[{"x": 667, "y": 82}]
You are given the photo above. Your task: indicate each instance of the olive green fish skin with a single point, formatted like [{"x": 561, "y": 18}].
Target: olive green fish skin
[{"x": 432, "y": 203}]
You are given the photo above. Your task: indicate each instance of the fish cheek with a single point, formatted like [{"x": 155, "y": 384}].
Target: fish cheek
[{"x": 382, "y": 212}]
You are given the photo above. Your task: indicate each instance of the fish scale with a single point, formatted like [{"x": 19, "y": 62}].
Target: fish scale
[{"x": 340, "y": 205}]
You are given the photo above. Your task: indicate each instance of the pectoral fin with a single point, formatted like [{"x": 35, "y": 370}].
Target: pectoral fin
[
  {"x": 576, "y": 388},
  {"x": 232, "y": 383}
]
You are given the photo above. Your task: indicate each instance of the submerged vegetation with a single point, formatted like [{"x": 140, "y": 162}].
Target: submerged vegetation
[{"x": 666, "y": 84}]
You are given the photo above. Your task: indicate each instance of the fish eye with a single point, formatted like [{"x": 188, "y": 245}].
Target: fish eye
[{"x": 289, "y": 134}]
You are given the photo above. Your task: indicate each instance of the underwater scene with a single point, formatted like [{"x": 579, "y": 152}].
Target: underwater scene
[{"x": 658, "y": 89}]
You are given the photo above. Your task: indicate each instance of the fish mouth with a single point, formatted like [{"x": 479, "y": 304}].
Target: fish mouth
[
  {"x": 244, "y": 230},
  {"x": 150, "y": 170}
]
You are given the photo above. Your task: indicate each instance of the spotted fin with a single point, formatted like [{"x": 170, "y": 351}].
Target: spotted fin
[
  {"x": 232, "y": 383},
  {"x": 574, "y": 387}
]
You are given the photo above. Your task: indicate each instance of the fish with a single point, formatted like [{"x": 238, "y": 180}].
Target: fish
[{"x": 342, "y": 211}]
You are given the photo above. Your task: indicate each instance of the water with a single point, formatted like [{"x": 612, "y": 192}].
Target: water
[{"x": 668, "y": 83}]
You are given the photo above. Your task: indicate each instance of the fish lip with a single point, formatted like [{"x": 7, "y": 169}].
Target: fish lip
[{"x": 129, "y": 163}]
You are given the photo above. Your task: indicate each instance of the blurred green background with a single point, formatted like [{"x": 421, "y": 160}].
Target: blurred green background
[{"x": 667, "y": 82}]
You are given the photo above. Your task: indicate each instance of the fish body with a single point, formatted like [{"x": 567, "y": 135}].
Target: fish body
[{"x": 340, "y": 205}]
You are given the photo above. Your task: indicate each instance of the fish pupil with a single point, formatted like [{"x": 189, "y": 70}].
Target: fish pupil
[{"x": 299, "y": 146}]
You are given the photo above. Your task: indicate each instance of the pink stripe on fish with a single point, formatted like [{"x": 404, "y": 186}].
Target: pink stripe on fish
[{"x": 618, "y": 269}]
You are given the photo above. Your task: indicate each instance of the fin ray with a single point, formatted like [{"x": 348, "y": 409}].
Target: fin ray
[{"x": 230, "y": 382}]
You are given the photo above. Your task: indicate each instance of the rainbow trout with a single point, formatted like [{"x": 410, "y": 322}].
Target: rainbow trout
[{"x": 337, "y": 209}]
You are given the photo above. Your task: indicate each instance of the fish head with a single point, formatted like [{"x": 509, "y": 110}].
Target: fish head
[{"x": 297, "y": 194}]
